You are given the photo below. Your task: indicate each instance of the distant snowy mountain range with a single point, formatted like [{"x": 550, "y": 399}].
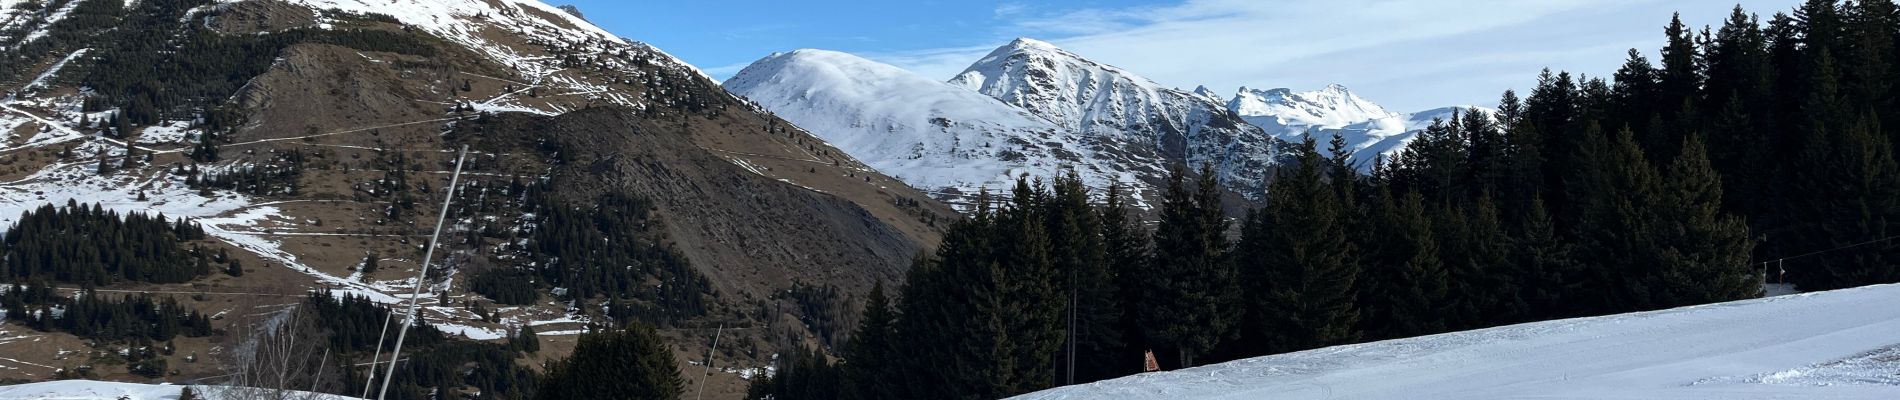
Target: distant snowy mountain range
[
  {"x": 1368, "y": 128},
  {"x": 1032, "y": 108}
]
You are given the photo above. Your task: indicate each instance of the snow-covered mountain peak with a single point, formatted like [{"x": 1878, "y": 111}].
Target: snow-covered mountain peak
[
  {"x": 1123, "y": 111},
  {"x": 1031, "y": 43},
  {"x": 451, "y": 18},
  {"x": 540, "y": 41},
  {"x": 814, "y": 69},
  {"x": 936, "y": 137},
  {"x": 1369, "y": 129},
  {"x": 1332, "y": 107},
  {"x": 1039, "y": 94},
  {"x": 1008, "y": 67},
  {"x": 1206, "y": 93}
]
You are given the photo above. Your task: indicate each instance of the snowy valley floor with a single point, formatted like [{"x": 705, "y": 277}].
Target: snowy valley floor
[
  {"x": 1842, "y": 344},
  {"x": 96, "y": 390}
]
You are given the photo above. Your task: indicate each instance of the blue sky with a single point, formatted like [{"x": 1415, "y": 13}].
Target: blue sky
[
  {"x": 722, "y": 37},
  {"x": 1408, "y": 55}
]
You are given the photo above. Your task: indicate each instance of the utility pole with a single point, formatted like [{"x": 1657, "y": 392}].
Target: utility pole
[
  {"x": 320, "y": 364},
  {"x": 369, "y": 379},
  {"x": 709, "y": 356},
  {"x": 415, "y": 296},
  {"x": 1073, "y": 297}
]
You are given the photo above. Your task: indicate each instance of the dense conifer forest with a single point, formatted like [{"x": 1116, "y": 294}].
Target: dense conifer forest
[
  {"x": 1755, "y": 152},
  {"x": 611, "y": 250},
  {"x": 609, "y": 247},
  {"x": 631, "y": 363},
  {"x": 87, "y": 246},
  {"x": 91, "y": 246}
]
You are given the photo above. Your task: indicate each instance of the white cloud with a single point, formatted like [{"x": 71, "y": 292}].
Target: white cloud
[
  {"x": 1010, "y": 9},
  {"x": 1407, "y": 54}
]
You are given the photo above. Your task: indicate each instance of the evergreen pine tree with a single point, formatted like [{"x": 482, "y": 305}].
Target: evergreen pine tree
[
  {"x": 1128, "y": 259},
  {"x": 1873, "y": 26},
  {"x": 1738, "y": 108},
  {"x": 1488, "y": 165},
  {"x": 984, "y": 309},
  {"x": 1484, "y": 283},
  {"x": 1189, "y": 301},
  {"x": 371, "y": 263},
  {"x": 1549, "y": 114},
  {"x": 1294, "y": 257},
  {"x": 1706, "y": 252},
  {"x": 1742, "y": 149},
  {"x": 1737, "y": 62},
  {"x": 1638, "y": 91},
  {"x": 1550, "y": 278},
  {"x": 1608, "y": 191},
  {"x": 1434, "y": 164},
  {"x": 1403, "y": 284},
  {"x": 1080, "y": 255},
  {"x": 626, "y": 364},
  {"x": 871, "y": 359},
  {"x": 1821, "y": 26},
  {"x": 1847, "y": 192},
  {"x": 1032, "y": 300},
  {"x": 803, "y": 374},
  {"x": 1681, "y": 82},
  {"x": 530, "y": 341}
]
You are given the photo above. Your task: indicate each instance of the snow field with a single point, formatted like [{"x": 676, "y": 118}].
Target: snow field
[{"x": 1828, "y": 345}]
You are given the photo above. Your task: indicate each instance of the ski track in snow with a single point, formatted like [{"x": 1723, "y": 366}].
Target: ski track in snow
[{"x": 1836, "y": 345}]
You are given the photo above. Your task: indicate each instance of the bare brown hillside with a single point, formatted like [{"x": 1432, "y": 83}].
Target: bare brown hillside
[{"x": 358, "y": 132}]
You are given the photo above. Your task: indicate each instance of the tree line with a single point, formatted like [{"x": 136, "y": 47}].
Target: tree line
[
  {"x": 140, "y": 322},
  {"x": 92, "y": 246},
  {"x": 1048, "y": 289},
  {"x": 90, "y": 315}
]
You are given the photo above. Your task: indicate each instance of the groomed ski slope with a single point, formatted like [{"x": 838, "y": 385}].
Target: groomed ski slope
[{"x": 1831, "y": 345}]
